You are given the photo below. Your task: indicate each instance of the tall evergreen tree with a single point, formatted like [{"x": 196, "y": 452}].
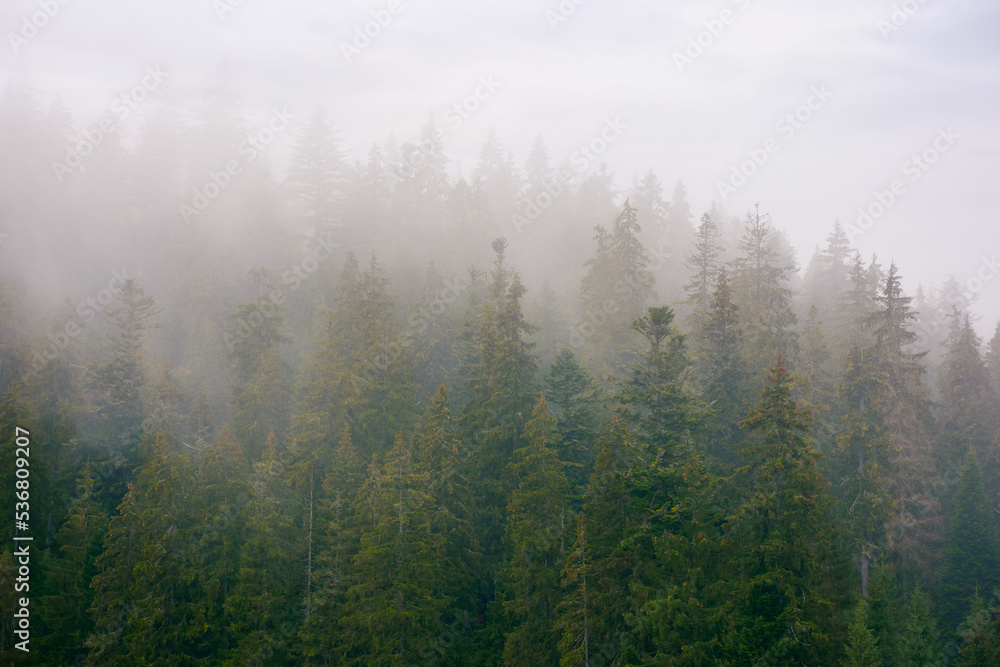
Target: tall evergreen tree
[
  {"x": 760, "y": 279},
  {"x": 392, "y": 601},
  {"x": 536, "y": 534},
  {"x": 703, "y": 263},
  {"x": 867, "y": 451},
  {"x": 970, "y": 406},
  {"x": 575, "y": 402},
  {"x": 972, "y": 557},
  {"x": 785, "y": 598}
]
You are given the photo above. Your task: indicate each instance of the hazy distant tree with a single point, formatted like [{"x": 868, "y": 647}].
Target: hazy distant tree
[
  {"x": 703, "y": 263},
  {"x": 498, "y": 177},
  {"x": 317, "y": 172},
  {"x": 993, "y": 359},
  {"x": 121, "y": 380},
  {"x": 760, "y": 281}
]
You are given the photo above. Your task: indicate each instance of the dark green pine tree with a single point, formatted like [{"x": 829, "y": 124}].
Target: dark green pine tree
[
  {"x": 722, "y": 372},
  {"x": 138, "y": 588},
  {"x": 575, "y": 402},
  {"x": 336, "y": 546},
  {"x": 393, "y": 605},
  {"x": 790, "y": 583},
  {"x": 259, "y": 609},
  {"x": 918, "y": 640},
  {"x": 885, "y": 609},
  {"x": 538, "y": 519},
  {"x": 862, "y": 647},
  {"x": 67, "y": 577},
  {"x": 615, "y": 517},
  {"x": 442, "y": 459},
  {"x": 904, "y": 409},
  {"x": 866, "y": 451},
  {"x": 212, "y": 533},
  {"x": 577, "y": 607},
  {"x": 501, "y": 393},
  {"x": 980, "y": 633},
  {"x": 972, "y": 556},
  {"x": 654, "y": 399}
]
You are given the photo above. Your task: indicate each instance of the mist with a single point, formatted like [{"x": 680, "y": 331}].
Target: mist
[{"x": 521, "y": 263}]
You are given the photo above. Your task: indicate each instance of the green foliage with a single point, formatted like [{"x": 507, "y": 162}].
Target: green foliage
[
  {"x": 972, "y": 557},
  {"x": 790, "y": 582},
  {"x": 862, "y": 648},
  {"x": 538, "y": 520},
  {"x": 918, "y": 641}
]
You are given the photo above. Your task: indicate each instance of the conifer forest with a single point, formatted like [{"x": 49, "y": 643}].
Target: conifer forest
[{"x": 299, "y": 370}]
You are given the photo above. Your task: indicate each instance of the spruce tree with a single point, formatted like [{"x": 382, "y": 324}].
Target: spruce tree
[
  {"x": 703, "y": 263},
  {"x": 722, "y": 371},
  {"x": 536, "y": 535},
  {"x": 867, "y": 452},
  {"x": 972, "y": 556},
  {"x": 392, "y": 604},
  {"x": 918, "y": 641},
  {"x": 790, "y": 581},
  {"x": 574, "y": 398},
  {"x": 862, "y": 648}
]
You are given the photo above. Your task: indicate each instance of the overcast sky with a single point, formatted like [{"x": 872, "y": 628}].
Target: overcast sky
[{"x": 889, "y": 86}]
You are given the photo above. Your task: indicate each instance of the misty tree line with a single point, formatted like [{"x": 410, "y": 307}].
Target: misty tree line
[{"x": 324, "y": 421}]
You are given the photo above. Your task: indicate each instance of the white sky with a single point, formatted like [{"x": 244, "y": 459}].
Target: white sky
[{"x": 889, "y": 94}]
